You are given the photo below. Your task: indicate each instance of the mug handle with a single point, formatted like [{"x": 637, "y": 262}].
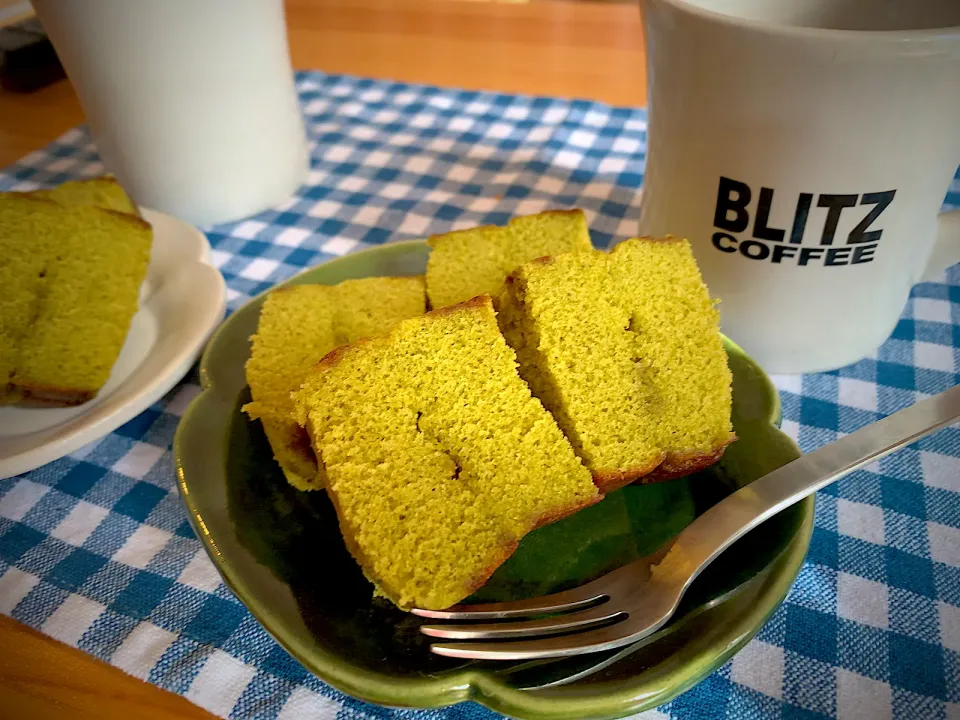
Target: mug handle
[{"x": 946, "y": 248}]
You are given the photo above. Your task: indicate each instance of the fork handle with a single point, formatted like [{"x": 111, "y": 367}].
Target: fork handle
[{"x": 720, "y": 526}]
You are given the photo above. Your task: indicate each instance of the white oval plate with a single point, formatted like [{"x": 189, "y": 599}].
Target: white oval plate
[{"x": 182, "y": 300}]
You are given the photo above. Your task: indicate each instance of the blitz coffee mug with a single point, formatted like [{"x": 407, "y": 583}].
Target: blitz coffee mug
[{"x": 805, "y": 149}]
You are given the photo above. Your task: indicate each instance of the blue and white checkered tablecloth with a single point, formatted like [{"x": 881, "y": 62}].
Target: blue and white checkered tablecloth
[{"x": 95, "y": 549}]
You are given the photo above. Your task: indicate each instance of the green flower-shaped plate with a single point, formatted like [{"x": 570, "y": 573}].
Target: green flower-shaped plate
[{"x": 281, "y": 553}]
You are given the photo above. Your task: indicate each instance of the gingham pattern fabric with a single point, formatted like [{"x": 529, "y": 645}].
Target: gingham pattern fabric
[{"x": 95, "y": 549}]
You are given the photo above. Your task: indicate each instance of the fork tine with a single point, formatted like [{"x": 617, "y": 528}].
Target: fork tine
[
  {"x": 619, "y": 582},
  {"x": 527, "y": 628},
  {"x": 567, "y": 601},
  {"x": 606, "y": 638}
]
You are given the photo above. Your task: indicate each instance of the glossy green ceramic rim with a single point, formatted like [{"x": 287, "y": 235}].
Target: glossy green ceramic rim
[{"x": 565, "y": 703}]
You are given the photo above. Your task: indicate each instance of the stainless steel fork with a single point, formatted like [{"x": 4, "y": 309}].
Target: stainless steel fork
[{"x": 635, "y": 600}]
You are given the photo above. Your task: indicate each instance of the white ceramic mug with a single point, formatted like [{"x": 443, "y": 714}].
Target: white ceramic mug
[
  {"x": 805, "y": 147},
  {"x": 191, "y": 103}
]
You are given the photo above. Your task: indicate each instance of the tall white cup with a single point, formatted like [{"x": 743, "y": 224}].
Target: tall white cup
[
  {"x": 804, "y": 148},
  {"x": 191, "y": 103}
]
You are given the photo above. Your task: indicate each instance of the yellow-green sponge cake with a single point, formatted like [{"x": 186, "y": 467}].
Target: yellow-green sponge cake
[
  {"x": 23, "y": 259},
  {"x": 369, "y": 307},
  {"x": 295, "y": 329},
  {"x": 438, "y": 459},
  {"x": 467, "y": 263},
  {"x": 624, "y": 349},
  {"x": 66, "y": 311},
  {"x": 300, "y": 324},
  {"x": 104, "y": 192}
]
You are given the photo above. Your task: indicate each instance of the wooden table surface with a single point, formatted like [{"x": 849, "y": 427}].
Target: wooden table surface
[{"x": 590, "y": 50}]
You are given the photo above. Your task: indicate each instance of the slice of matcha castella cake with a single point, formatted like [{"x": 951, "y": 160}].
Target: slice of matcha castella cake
[
  {"x": 438, "y": 458},
  {"x": 624, "y": 349},
  {"x": 467, "y": 263},
  {"x": 300, "y": 324},
  {"x": 71, "y": 278},
  {"x": 294, "y": 330}
]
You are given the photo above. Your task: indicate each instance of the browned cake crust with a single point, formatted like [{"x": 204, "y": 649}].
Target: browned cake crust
[
  {"x": 562, "y": 211},
  {"x": 478, "y": 301},
  {"x": 609, "y": 480},
  {"x": 678, "y": 466},
  {"x": 52, "y": 396},
  {"x": 332, "y": 358},
  {"x": 131, "y": 219},
  {"x": 673, "y": 466},
  {"x": 547, "y": 518},
  {"x": 510, "y": 545}
]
